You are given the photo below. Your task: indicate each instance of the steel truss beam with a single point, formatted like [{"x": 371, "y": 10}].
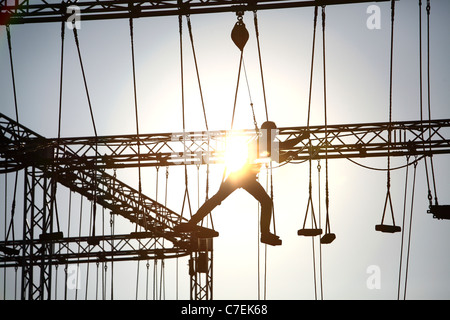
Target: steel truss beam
[
  {"x": 80, "y": 163},
  {"x": 32, "y": 150},
  {"x": 201, "y": 270},
  {"x": 333, "y": 142},
  {"x": 19, "y": 12},
  {"x": 39, "y": 198},
  {"x": 88, "y": 249},
  {"x": 41, "y": 248}
]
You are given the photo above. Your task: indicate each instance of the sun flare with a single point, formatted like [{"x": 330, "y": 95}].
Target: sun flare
[{"x": 236, "y": 152}]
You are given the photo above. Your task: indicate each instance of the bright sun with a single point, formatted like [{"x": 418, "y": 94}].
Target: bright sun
[{"x": 236, "y": 151}]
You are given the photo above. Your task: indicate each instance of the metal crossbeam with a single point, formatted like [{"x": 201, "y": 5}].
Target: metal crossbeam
[
  {"x": 23, "y": 11},
  {"x": 88, "y": 249},
  {"x": 23, "y": 148},
  {"x": 168, "y": 149}
]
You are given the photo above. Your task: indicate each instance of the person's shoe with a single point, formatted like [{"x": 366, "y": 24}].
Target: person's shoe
[{"x": 270, "y": 238}]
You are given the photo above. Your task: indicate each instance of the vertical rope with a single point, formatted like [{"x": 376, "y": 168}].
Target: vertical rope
[
  {"x": 388, "y": 183},
  {"x": 61, "y": 80},
  {"x": 410, "y": 228},
  {"x": 428, "y": 8},
  {"x": 186, "y": 193},
  {"x": 8, "y": 35},
  {"x": 196, "y": 69},
  {"x": 320, "y": 223},
  {"x": 327, "y": 197},
  {"x": 390, "y": 91},
  {"x": 4, "y": 229},
  {"x": 236, "y": 92},
  {"x": 255, "y": 20},
  {"x": 403, "y": 229}
]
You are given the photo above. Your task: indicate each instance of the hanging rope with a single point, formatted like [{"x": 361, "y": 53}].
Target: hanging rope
[
  {"x": 428, "y": 8},
  {"x": 16, "y": 109},
  {"x": 239, "y": 35},
  {"x": 140, "y": 207},
  {"x": 315, "y": 230},
  {"x": 61, "y": 80},
  {"x": 410, "y": 228},
  {"x": 186, "y": 192},
  {"x": 319, "y": 167},
  {"x": 390, "y": 94},
  {"x": 189, "y": 24},
  {"x": 75, "y": 33},
  {"x": 305, "y": 231},
  {"x": 430, "y": 197},
  {"x": 112, "y": 227},
  {"x": 196, "y": 69},
  {"x": 136, "y": 111},
  {"x": 403, "y": 229},
  {"x": 8, "y": 35},
  {"x": 328, "y": 237},
  {"x": 409, "y": 233},
  {"x": 255, "y": 20},
  {"x": 255, "y": 123},
  {"x": 388, "y": 201}
]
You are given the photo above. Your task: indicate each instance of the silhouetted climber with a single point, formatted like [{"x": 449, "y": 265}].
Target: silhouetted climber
[{"x": 246, "y": 178}]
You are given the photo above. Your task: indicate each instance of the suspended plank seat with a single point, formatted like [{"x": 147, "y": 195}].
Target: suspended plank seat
[
  {"x": 387, "y": 228},
  {"x": 327, "y": 238},
  {"x": 440, "y": 211},
  {"x": 309, "y": 232}
]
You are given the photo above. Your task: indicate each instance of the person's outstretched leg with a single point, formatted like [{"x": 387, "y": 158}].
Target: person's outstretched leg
[
  {"x": 257, "y": 191},
  {"x": 226, "y": 188}
]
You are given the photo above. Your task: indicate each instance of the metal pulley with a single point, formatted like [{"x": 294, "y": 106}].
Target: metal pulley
[{"x": 239, "y": 34}]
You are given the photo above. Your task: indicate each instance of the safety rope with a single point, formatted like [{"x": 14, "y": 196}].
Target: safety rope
[
  {"x": 255, "y": 20},
  {"x": 236, "y": 92},
  {"x": 75, "y": 33},
  {"x": 196, "y": 69}
]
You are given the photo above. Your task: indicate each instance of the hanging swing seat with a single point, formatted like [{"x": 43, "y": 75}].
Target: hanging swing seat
[
  {"x": 309, "y": 232},
  {"x": 198, "y": 231},
  {"x": 440, "y": 211},
  {"x": 327, "y": 238},
  {"x": 387, "y": 228}
]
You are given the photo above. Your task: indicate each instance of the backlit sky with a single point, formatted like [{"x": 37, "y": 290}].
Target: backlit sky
[{"x": 357, "y": 91}]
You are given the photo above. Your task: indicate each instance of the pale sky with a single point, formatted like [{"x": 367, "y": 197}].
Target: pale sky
[{"x": 357, "y": 92}]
